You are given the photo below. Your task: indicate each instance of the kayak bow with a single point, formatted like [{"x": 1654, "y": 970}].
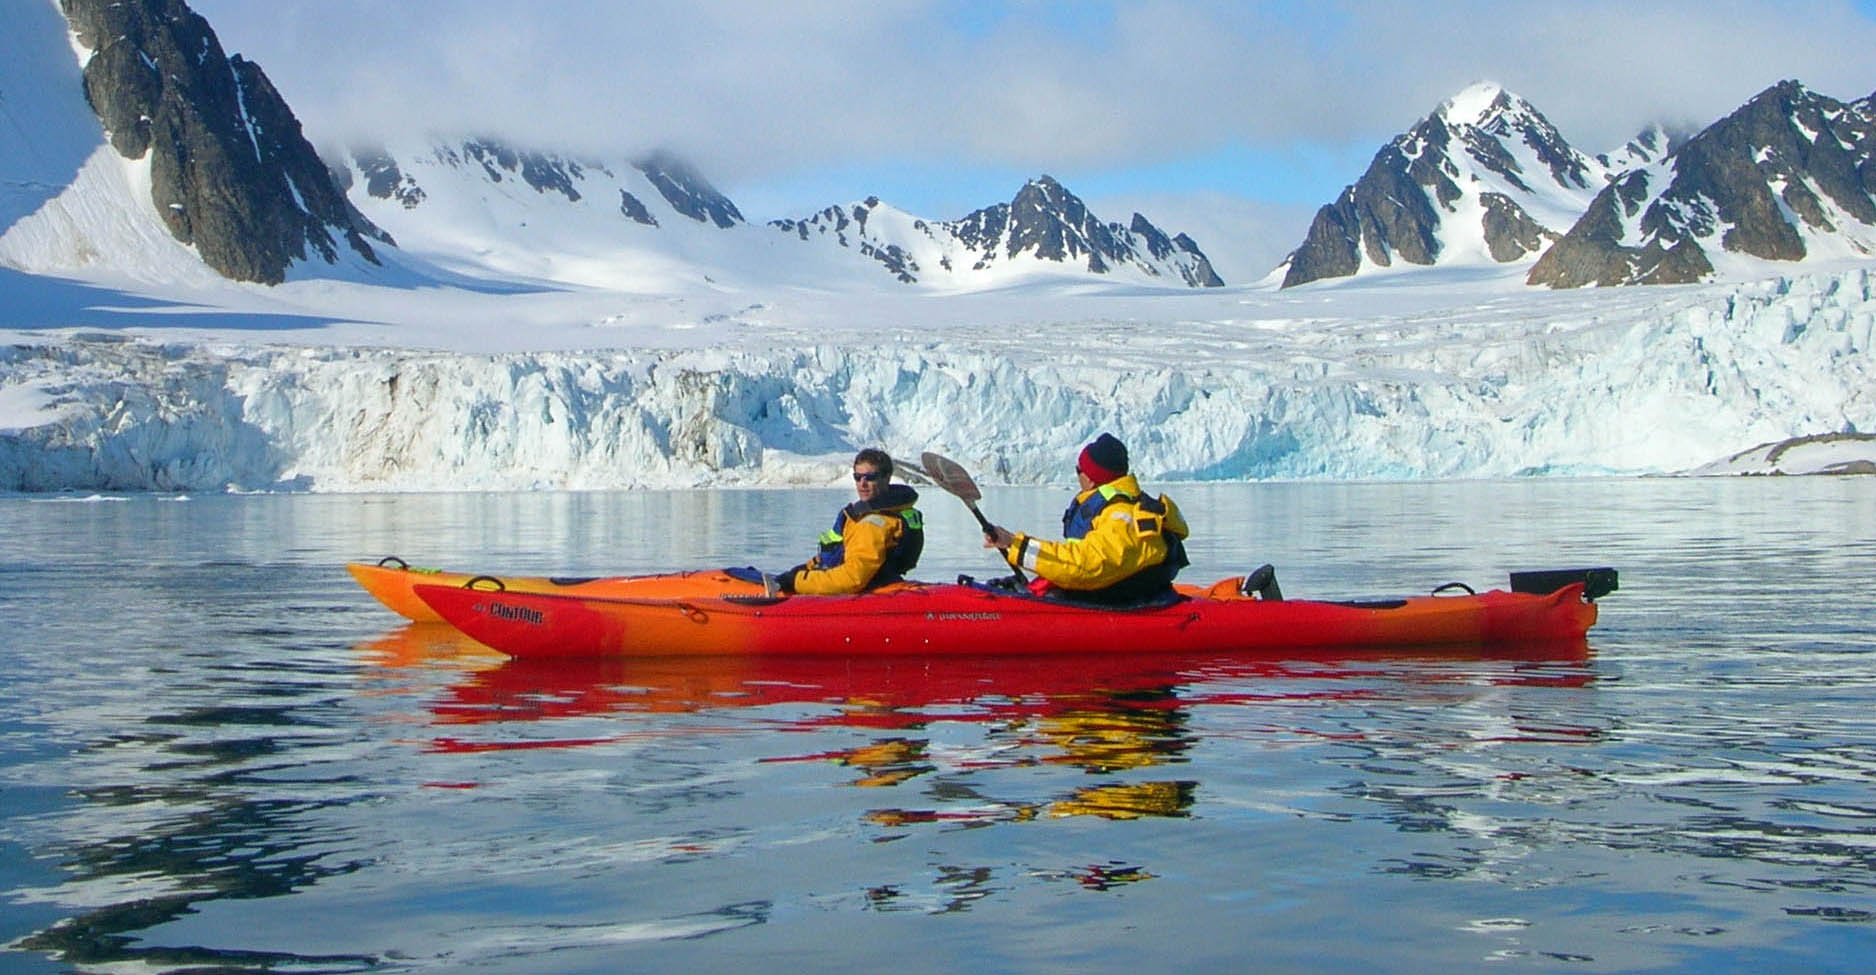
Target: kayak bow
[{"x": 392, "y": 581}]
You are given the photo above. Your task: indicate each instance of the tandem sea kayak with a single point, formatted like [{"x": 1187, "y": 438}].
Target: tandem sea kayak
[{"x": 712, "y": 613}]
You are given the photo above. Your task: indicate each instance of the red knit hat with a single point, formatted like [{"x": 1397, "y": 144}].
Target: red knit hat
[{"x": 1103, "y": 460}]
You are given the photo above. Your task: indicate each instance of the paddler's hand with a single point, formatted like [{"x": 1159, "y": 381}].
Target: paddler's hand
[
  {"x": 999, "y": 538},
  {"x": 777, "y": 586}
]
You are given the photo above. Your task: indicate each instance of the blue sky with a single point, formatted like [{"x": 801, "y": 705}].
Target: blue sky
[{"x": 1216, "y": 117}]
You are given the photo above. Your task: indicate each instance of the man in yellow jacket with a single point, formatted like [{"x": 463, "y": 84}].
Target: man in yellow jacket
[
  {"x": 875, "y": 540},
  {"x": 1120, "y": 547}
]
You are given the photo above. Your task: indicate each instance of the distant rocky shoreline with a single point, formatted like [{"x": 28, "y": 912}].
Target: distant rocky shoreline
[{"x": 1834, "y": 454}]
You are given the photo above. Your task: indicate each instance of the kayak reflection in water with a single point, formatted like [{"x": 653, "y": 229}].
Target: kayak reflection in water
[
  {"x": 875, "y": 540},
  {"x": 1119, "y": 548},
  {"x": 1133, "y": 731},
  {"x": 1118, "y": 737}
]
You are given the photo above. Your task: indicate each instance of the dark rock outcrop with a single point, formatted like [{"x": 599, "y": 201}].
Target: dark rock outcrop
[
  {"x": 1385, "y": 212},
  {"x": 1510, "y": 233},
  {"x": 1788, "y": 150},
  {"x": 1197, "y": 270},
  {"x": 384, "y": 180},
  {"x": 1593, "y": 252},
  {"x": 688, "y": 192},
  {"x": 1201, "y": 273},
  {"x": 544, "y": 173},
  {"x": 848, "y": 225},
  {"x": 634, "y": 209},
  {"x": 231, "y": 172}
]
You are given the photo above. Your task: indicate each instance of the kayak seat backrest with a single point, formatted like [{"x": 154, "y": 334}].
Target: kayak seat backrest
[{"x": 1596, "y": 582}]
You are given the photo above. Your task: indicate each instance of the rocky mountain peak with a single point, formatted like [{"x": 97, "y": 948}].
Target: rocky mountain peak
[
  {"x": 1476, "y": 103},
  {"x": 231, "y": 173},
  {"x": 1511, "y": 121},
  {"x": 1485, "y": 171},
  {"x": 1044, "y": 222},
  {"x": 1047, "y": 221},
  {"x": 1790, "y": 165},
  {"x": 1044, "y": 195},
  {"x": 1651, "y": 144}
]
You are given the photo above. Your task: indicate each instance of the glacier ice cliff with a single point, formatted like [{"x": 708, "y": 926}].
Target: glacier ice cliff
[{"x": 1434, "y": 396}]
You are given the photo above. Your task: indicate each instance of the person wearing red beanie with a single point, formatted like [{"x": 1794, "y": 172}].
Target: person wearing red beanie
[
  {"x": 1120, "y": 546},
  {"x": 1103, "y": 460}
]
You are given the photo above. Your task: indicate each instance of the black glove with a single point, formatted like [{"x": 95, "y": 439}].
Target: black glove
[{"x": 786, "y": 581}]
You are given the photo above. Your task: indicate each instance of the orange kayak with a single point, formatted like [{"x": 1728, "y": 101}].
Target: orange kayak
[
  {"x": 696, "y": 613},
  {"x": 392, "y": 581}
]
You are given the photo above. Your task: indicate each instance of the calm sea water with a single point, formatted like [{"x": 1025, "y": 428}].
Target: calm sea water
[{"x": 217, "y": 754}]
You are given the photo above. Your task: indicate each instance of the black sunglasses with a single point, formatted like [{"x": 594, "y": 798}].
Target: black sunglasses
[{"x": 873, "y": 476}]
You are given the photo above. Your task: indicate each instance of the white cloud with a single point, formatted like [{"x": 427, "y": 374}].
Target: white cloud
[
  {"x": 1243, "y": 238},
  {"x": 751, "y": 88}
]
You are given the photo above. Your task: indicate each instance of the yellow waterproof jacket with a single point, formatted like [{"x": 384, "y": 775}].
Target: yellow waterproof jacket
[
  {"x": 867, "y": 541},
  {"x": 1123, "y": 540}
]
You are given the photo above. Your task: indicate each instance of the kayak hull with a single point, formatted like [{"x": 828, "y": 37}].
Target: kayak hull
[{"x": 962, "y": 619}]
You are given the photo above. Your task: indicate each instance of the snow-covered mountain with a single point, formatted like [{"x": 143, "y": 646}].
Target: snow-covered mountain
[
  {"x": 479, "y": 207},
  {"x": 478, "y": 203},
  {"x": 1485, "y": 179},
  {"x": 1790, "y": 175},
  {"x": 1044, "y": 225},
  {"x": 213, "y": 157}
]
